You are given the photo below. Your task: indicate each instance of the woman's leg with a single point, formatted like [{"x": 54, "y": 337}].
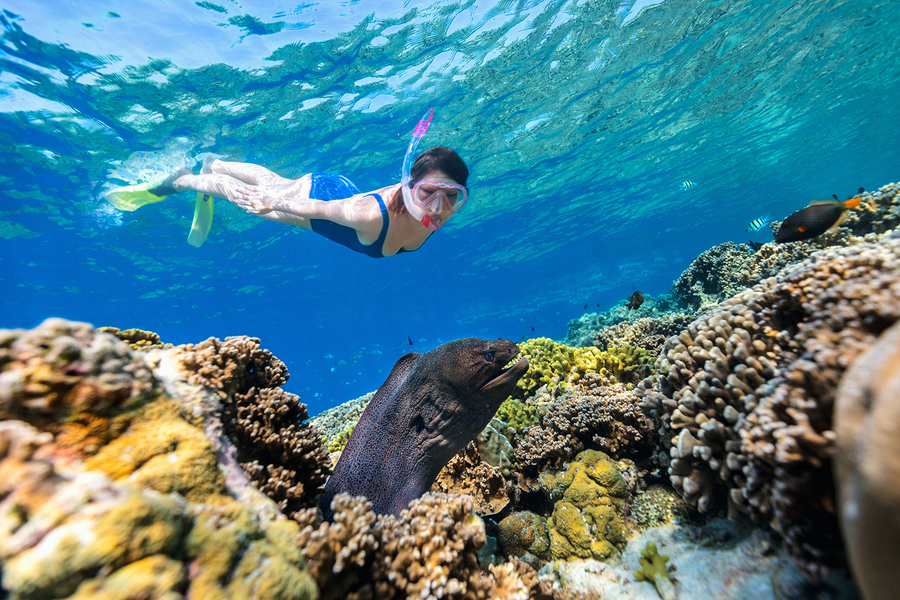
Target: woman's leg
[{"x": 246, "y": 172}]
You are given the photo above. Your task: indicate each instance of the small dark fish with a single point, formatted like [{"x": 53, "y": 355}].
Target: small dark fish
[
  {"x": 598, "y": 305},
  {"x": 755, "y": 245},
  {"x": 585, "y": 307},
  {"x": 860, "y": 191},
  {"x": 410, "y": 340},
  {"x": 814, "y": 220},
  {"x": 532, "y": 328},
  {"x": 835, "y": 196},
  {"x": 635, "y": 300}
]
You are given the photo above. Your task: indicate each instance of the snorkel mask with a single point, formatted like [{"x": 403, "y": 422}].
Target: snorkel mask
[{"x": 427, "y": 193}]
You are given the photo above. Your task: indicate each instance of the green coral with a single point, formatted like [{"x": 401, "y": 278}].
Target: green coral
[
  {"x": 340, "y": 442},
  {"x": 654, "y": 569},
  {"x": 560, "y": 367},
  {"x": 517, "y": 415},
  {"x": 589, "y": 497}
]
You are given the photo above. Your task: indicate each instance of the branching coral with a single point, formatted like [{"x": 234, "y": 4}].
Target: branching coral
[
  {"x": 280, "y": 454},
  {"x": 466, "y": 473},
  {"x": 237, "y": 364},
  {"x": 654, "y": 569},
  {"x": 595, "y": 416},
  {"x": 429, "y": 551},
  {"x": 749, "y": 389}
]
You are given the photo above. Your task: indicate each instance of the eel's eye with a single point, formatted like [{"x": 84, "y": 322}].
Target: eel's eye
[{"x": 489, "y": 356}]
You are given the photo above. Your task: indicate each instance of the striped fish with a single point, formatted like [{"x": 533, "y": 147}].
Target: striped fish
[
  {"x": 757, "y": 224},
  {"x": 687, "y": 185}
]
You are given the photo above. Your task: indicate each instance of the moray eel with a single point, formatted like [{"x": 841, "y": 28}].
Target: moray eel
[{"x": 428, "y": 409}]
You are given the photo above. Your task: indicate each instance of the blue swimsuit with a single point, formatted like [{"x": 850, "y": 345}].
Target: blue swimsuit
[{"x": 337, "y": 187}]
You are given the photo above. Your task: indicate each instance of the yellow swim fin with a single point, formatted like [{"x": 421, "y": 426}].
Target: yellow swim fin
[
  {"x": 203, "y": 214},
  {"x": 132, "y": 197}
]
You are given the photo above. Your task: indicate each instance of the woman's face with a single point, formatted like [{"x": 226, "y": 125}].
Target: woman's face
[{"x": 427, "y": 193}]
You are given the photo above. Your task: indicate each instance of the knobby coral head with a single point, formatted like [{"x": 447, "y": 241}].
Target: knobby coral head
[{"x": 428, "y": 409}]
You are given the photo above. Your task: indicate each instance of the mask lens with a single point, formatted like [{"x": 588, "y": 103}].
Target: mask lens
[{"x": 430, "y": 194}]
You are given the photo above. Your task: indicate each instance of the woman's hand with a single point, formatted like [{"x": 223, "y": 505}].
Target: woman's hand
[{"x": 253, "y": 200}]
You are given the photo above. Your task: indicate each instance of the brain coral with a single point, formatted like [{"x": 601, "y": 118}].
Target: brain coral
[
  {"x": 749, "y": 391},
  {"x": 596, "y": 416}
]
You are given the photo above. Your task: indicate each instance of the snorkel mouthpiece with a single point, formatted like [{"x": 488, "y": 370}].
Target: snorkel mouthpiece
[{"x": 430, "y": 221}]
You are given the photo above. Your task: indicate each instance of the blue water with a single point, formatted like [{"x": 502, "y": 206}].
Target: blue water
[{"x": 578, "y": 119}]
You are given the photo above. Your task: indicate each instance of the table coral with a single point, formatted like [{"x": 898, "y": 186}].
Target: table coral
[
  {"x": 589, "y": 497},
  {"x": 749, "y": 390},
  {"x": 596, "y": 416}
]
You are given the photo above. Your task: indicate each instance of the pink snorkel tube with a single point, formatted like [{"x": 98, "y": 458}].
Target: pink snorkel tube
[{"x": 430, "y": 221}]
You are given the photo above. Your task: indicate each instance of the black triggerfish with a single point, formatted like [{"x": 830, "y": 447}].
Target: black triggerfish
[{"x": 814, "y": 220}]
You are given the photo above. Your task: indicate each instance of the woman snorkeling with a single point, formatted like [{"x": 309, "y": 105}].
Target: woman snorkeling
[{"x": 396, "y": 218}]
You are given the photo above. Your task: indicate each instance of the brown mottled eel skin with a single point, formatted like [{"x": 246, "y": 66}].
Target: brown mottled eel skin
[{"x": 429, "y": 408}]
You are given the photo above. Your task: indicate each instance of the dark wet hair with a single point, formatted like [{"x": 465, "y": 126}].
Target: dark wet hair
[{"x": 439, "y": 158}]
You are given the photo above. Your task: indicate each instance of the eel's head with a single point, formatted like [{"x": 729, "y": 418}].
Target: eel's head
[{"x": 477, "y": 371}]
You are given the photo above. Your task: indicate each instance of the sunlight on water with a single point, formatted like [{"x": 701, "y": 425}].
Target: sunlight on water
[{"x": 578, "y": 118}]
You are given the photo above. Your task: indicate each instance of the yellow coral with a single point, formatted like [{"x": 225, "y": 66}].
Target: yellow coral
[
  {"x": 586, "y": 520},
  {"x": 560, "y": 366}
]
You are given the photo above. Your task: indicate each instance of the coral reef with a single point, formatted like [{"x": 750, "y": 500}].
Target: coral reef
[
  {"x": 595, "y": 416},
  {"x": 588, "y": 500},
  {"x": 429, "y": 551},
  {"x": 522, "y": 533},
  {"x": 137, "y": 339},
  {"x": 749, "y": 389},
  {"x": 654, "y": 569},
  {"x": 581, "y": 330},
  {"x": 281, "y": 455},
  {"x": 66, "y": 531},
  {"x": 649, "y": 333},
  {"x": 466, "y": 473},
  {"x": 66, "y": 378},
  {"x": 867, "y": 465},
  {"x": 333, "y": 422}
]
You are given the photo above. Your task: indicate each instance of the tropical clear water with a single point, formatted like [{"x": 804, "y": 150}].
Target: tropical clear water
[{"x": 578, "y": 118}]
